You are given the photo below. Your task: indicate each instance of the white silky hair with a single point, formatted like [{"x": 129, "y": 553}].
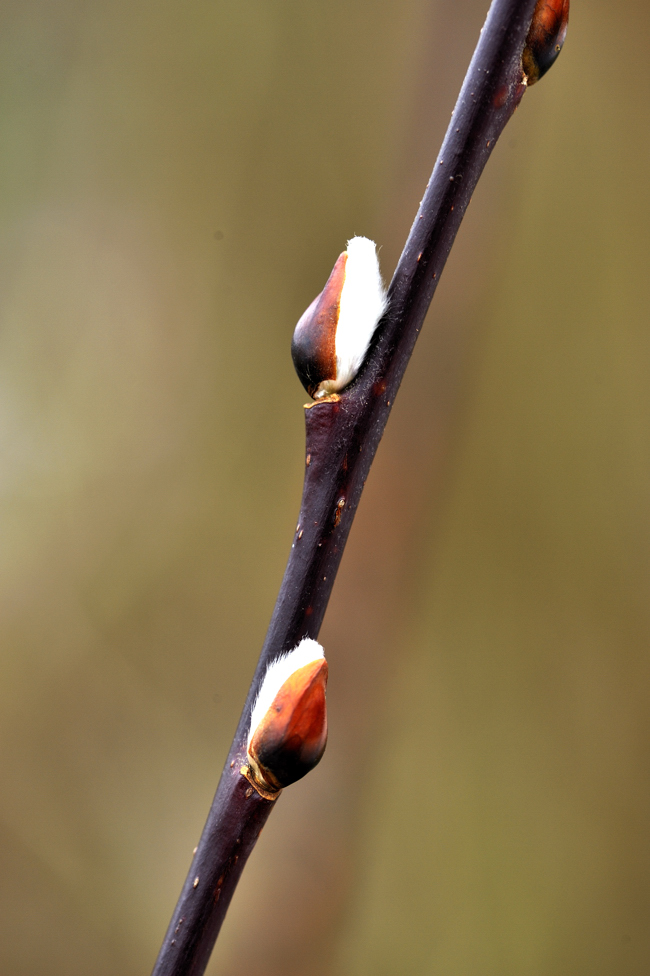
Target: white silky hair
[
  {"x": 277, "y": 673},
  {"x": 361, "y": 305}
]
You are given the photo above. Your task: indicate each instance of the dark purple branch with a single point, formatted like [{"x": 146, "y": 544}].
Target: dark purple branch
[{"x": 342, "y": 437}]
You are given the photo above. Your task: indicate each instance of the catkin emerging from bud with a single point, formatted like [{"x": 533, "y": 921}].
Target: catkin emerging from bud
[
  {"x": 332, "y": 337},
  {"x": 288, "y": 730}
]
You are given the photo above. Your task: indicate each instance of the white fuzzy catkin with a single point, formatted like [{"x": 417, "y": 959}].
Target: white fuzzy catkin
[
  {"x": 278, "y": 672},
  {"x": 362, "y": 304}
]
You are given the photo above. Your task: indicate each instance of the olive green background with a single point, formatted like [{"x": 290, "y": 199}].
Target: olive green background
[{"x": 176, "y": 181}]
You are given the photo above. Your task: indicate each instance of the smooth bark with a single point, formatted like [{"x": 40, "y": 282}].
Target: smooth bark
[{"x": 342, "y": 436}]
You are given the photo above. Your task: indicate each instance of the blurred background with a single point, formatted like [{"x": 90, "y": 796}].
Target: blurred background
[{"x": 176, "y": 181}]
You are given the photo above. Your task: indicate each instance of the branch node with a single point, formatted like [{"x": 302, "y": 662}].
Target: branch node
[{"x": 263, "y": 791}]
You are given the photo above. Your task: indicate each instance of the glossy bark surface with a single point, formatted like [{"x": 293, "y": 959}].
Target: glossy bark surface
[{"x": 342, "y": 436}]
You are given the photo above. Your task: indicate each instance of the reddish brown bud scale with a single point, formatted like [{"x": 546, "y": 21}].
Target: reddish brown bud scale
[
  {"x": 545, "y": 38},
  {"x": 291, "y": 738},
  {"x": 314, "y": 341},
  {"x": 332, "y": 337}
]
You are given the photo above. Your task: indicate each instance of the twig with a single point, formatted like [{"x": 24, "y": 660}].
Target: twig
[{"x": 342, "y": 437}]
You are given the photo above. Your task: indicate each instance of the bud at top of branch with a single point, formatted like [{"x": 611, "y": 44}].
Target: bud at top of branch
[
  {"x": 545, "y": 38},
  {"x": 332, "y": 337},
  {"x": 288, "y": 730}
]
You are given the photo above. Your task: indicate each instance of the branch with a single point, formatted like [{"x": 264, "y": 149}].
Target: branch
[{"x": 342, "y": 437}]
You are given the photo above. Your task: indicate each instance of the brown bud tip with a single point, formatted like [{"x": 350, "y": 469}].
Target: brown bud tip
[
  {"x": 291, "y": 737},
  {"x": 545, "y": 38},
  {"x": 332, "y": 337},
  {"x": 313, "y": 348}
]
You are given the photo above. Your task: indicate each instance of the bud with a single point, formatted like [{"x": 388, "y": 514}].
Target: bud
[
  {"x": 332, "y": 337},
  {"x": 545, "y": 38},
  {"x": 288, "y": 730}
]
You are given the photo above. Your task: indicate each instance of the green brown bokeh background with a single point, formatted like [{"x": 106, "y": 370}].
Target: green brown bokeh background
[{"x": 176, "y": 180}]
